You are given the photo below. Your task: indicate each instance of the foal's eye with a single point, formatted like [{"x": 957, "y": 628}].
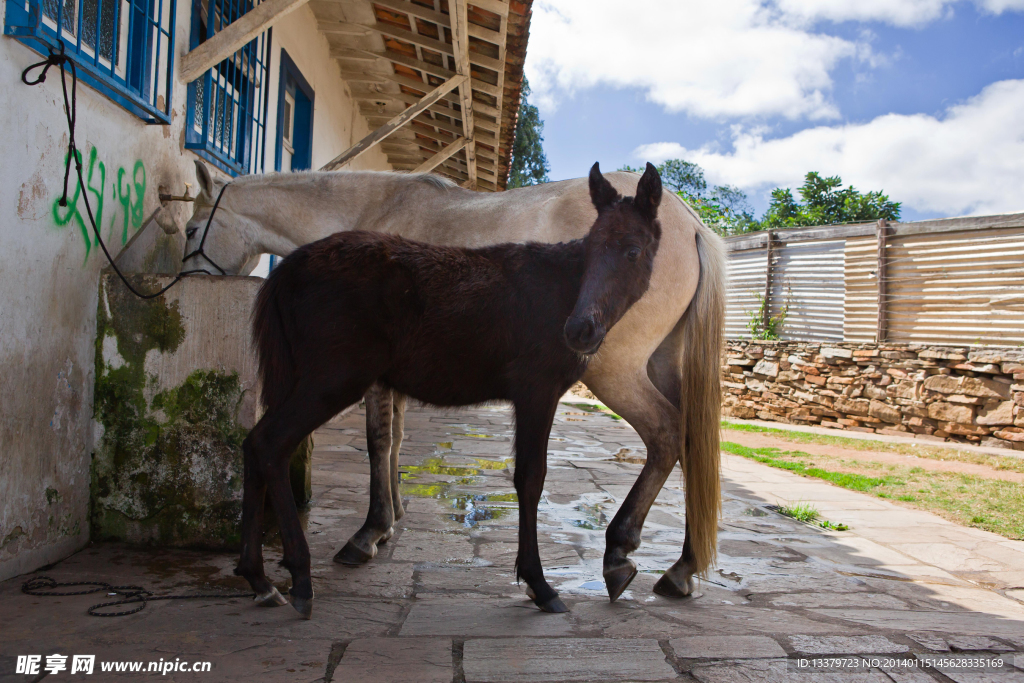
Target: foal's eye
[
  {"x": 633, "y": 254},
  {"x": 190, "y": 233}
]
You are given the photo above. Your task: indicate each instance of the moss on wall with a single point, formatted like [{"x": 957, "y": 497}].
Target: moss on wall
[{"x": 168, "y": 468}]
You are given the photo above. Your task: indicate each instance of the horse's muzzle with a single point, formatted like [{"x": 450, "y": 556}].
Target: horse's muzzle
[{"x": 584, "y": 335}]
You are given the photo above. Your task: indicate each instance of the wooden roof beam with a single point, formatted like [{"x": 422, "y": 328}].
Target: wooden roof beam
[
  {"x": 377, "y": 77},
  {"x": 407, "y": 99},
  {"x": 394, "y": 124},
  {"x": 442, "y": 156},
  {"x": 417, "y": 64},
  {"x": 345, "y": 28},
  {"x": 441, "y": 19},
  {"x": 234, "y": 36},
  {"x": 460, "y": 47},
  {"x": 434, "y": 123}
]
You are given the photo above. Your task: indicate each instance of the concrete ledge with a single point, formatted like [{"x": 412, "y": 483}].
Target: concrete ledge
[
  {"x": 176, "y": 393},
  {"x": 882, "y": 438}
]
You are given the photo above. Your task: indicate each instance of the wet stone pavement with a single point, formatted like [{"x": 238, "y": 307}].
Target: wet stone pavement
[{"x": 440, "y": 601}]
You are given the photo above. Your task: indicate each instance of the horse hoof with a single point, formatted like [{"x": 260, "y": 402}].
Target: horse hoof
[
  {"x": 553, "y": 606},
  {"x": 271, "y": 598},
  {"x": 387, "y": 536},
  {"x": 669, "y": 588},
  {"x": 353, "y": 556},
  {"x": 619, "y": 578},
  {"x": 303, "y": 606}
]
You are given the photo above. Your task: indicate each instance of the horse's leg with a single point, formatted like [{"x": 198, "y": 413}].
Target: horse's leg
[
  {"x": 362, "y": 547},
  {"x": 272, "y": 442},
  {"x": 250, "y": 564},
  {"x": 633, "y": 396},
  {"x": 397, "y": 434},
  {"x": 533, "y": 427},
  {"x": 665, "y": 370}
]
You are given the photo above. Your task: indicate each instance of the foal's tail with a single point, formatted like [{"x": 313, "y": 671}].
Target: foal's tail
[
  {"x": 272, "y": 337},
  {"x": 702, "y": 399}
]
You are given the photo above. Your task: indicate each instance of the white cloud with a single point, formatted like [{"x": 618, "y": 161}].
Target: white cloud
[
  {"x": 895, "y": 12},
  {"x": 969, "y": 161},
  {"x": 1000, "y": 6},
  {"x": 725, "y": 58}
]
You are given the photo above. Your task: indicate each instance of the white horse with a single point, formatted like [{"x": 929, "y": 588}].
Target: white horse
[{"x": 658, "y": 367}]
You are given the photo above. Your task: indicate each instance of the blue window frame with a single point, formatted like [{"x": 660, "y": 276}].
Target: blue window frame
[
  {"x": 227, "y": 106},
  {"x": 123, "y": 48},
  {"x": 294, "y": 119}
]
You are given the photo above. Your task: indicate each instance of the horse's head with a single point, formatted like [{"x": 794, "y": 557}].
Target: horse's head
[
  {"x": 620, "y": 253},
  {"x": 225, "y": 247}
]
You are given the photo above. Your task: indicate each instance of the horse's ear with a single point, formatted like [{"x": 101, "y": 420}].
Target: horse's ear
[
  {"x": 204, "y": 178},
  {"x": 601, "y": 191},
  {"x": 648, "y": 193}
]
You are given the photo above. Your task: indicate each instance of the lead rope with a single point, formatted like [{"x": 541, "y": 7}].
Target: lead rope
[
  {"x": 58, "y": 58},
  {"x": 44, "y": 586}
]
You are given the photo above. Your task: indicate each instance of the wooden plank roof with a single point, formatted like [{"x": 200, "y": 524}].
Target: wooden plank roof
[{"x": 394, "y": 52}]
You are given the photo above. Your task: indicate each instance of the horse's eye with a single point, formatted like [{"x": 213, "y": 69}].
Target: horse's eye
[
  {"x": 190, "y": 233},
  {"x": 633, "y": 254}
]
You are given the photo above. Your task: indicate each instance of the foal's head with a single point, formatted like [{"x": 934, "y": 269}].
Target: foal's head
[{"x": 620, "y": 253}]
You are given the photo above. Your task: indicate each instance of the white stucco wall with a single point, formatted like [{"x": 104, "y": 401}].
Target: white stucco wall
[{"x": 49, "y": 268}]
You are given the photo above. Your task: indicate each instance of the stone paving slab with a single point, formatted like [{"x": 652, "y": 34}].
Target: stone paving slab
[
  {"x": 727, "y": 647},
  {"x": 441, "y": 597},
  {"x": 483, "y": 617},
  {"x": 396, "y": 660},
  {"x": 509, "y": 660}
]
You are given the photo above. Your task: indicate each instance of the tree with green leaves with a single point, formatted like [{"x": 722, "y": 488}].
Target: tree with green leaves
[
  {"x": 826, "y": 202},
  {"x": 529, "y": 163},
  {"x": 724, "y": 208}
]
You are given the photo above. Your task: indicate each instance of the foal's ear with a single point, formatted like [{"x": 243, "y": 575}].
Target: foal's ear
[
  {"x": 601, "y": 191},
  {"x": 648, "y": 193},
  {"x": 204, "y": 178}
]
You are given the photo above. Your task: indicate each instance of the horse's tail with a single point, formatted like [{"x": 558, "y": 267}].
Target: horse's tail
[
  {"x": 272, "y": 337},
  {"x": 702, "y": 399}
]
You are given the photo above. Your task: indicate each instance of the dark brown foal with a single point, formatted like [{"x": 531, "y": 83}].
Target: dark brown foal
[{"x": 446, "y": 326}]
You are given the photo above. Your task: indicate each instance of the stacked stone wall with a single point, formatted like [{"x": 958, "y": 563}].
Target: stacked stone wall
[{"x": 940, "y": 393}]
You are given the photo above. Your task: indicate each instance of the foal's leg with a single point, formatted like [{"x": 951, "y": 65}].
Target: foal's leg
[
  {"x": 272, "y": 442},
  {"x": 362, "y": 547},
  {"x": 533, "y": 426},
  {"x": 250, "y": 565},
  {"x": 397, "y": 434},
  {"x": 633, "y": 396}
]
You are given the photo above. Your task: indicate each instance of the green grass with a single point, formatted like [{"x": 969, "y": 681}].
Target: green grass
[
  {"x": 996, "y": 462},
  {"x": 802, "y": 512},
  {"x": 808, "y": 514},
  {"x": 990, "y": 504}
]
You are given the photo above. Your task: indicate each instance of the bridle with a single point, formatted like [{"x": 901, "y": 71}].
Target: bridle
[{"x": 200, "y": 251}]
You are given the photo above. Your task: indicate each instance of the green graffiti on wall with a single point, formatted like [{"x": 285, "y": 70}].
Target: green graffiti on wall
[{"x": 128, "y": 189}]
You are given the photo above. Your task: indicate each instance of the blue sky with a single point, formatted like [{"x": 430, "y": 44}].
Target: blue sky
[{"x": 921, "y": 98}]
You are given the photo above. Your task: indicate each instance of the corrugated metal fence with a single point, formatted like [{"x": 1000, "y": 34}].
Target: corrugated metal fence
[{"x": 954, "y": 281}]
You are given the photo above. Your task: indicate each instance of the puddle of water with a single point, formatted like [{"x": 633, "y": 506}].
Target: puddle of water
[
  {"x": 593, "y": 586},
  {"x": 473, "y": 509},
  {"x": 471, "y": 431},
  {"x": 438, "y": 465},
  {"x": 593, "y": 518},
  {"x": 469, "y": 508}
]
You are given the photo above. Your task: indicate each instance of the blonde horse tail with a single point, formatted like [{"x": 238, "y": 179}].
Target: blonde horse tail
[{"x": 701, "y": 400}]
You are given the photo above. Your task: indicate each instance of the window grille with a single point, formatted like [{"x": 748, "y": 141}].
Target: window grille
[
  {"x": 227, "y": 106},
  {"x": 123, "y": 48}
]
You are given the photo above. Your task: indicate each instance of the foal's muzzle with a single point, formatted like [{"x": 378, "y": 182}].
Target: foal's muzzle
[{"x": 584, "y": 335}]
